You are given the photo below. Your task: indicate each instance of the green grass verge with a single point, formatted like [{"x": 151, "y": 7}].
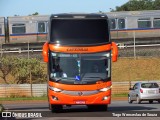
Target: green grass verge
[
  {"x": 23, "y": 98},
  {"x": 120, "y": 95}
]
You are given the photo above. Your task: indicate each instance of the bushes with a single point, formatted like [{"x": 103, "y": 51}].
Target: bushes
[
  {"x": 1, "y": 108},
  {"x": 5, "y": 68},
  {"x": 22, "y": 69}
]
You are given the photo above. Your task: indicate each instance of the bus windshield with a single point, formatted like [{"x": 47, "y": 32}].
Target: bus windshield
[
  {"x": 79, "y": 68},
  {"x": 79, "y": 31}
]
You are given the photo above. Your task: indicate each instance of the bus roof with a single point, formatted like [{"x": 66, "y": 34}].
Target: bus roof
[{"x": 79, "y": 15}]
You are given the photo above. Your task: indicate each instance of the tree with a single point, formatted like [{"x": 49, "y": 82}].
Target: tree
[
  {"x": 135, "y": 5},
  {"x": 20, "y": 70},
  {"x": 36, "y": 13},
  {"x": 23, "y": 68},
  {"x": 37, "y": 71},
  {"x": 156, "y": 4},
  {"x": 5, "y": 68},
  {"x": 16, "y": 15}
]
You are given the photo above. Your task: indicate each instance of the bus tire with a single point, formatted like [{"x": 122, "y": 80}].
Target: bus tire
[
  {"x": 98, "y": 107},
  {"x": 104, "y": 107},
  {"x": 56, "y": 108}
]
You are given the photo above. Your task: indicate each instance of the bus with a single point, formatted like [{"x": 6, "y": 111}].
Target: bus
[{"x": 79, "y": 54}]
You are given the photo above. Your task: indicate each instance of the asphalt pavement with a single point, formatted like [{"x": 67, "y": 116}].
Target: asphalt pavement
[{"x": 117, "y": 109}]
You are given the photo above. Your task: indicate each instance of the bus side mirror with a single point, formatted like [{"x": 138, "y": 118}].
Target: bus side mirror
[
  {"x": 45, "y": 52},
  {"x": 114, "y": 52}
]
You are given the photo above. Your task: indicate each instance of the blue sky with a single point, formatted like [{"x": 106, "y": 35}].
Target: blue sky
[{"x": 47, "y": 7}]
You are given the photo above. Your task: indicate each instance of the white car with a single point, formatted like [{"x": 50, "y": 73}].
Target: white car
[{"x": 144, "y": 91}]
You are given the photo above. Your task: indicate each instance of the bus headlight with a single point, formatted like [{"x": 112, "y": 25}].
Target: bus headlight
[
  {"x": 105, "y": 98},
  {"x": 55, "y": 89},
  {"x": 105, "y": 89}
]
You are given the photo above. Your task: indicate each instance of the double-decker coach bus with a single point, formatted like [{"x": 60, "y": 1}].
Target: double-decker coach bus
[{"x": 79, "y": 53}]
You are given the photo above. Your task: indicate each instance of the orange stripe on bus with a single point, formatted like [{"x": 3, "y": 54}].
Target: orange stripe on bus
[{"x": 77, "y": 49}]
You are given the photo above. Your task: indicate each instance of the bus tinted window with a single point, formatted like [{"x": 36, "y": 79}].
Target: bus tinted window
[{"x": 79, "y": 31}]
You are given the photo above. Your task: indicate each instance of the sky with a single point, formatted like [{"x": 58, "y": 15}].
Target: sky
[{"x": 47, "y": 7}]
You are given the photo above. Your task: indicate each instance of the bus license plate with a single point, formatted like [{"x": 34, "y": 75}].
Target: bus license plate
[{"x": 80, "y": 102}]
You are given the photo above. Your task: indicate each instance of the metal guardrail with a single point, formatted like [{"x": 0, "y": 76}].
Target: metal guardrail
[
  {"x": 20, "y": 51},
  {"x": 22, "y": 90},
  {"x": 132, "y": 46}
]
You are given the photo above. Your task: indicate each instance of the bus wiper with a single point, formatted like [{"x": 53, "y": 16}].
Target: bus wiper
[
  {"x": 58, "y": 79},
  {"x": 95, "y": 77}
]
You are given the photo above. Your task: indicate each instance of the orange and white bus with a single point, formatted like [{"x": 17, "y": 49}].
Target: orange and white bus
[{"x": 79, "y": 54}]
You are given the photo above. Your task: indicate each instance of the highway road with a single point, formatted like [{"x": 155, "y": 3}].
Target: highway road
[{"x": 118, "y": 109}]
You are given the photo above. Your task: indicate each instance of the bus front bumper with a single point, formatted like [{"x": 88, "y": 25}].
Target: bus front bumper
[{"x": 64, "y": 99}]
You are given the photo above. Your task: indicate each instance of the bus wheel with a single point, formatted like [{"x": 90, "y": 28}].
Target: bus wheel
[
  {"x": 98, "y": 107},
  {"x": 103, "y": 107},
  {"x": 56, "y": 108}
]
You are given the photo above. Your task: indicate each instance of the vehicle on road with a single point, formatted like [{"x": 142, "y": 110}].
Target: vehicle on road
[
  {"x": 144, "y": 91},
  {"x": 78, "y": 54}
]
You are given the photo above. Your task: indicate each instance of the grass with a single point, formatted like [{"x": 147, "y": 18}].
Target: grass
[
  {"x": 120, "y": 95},
  {"x": 130, "y": 69},
  {"x": 23, "y": 98}
]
